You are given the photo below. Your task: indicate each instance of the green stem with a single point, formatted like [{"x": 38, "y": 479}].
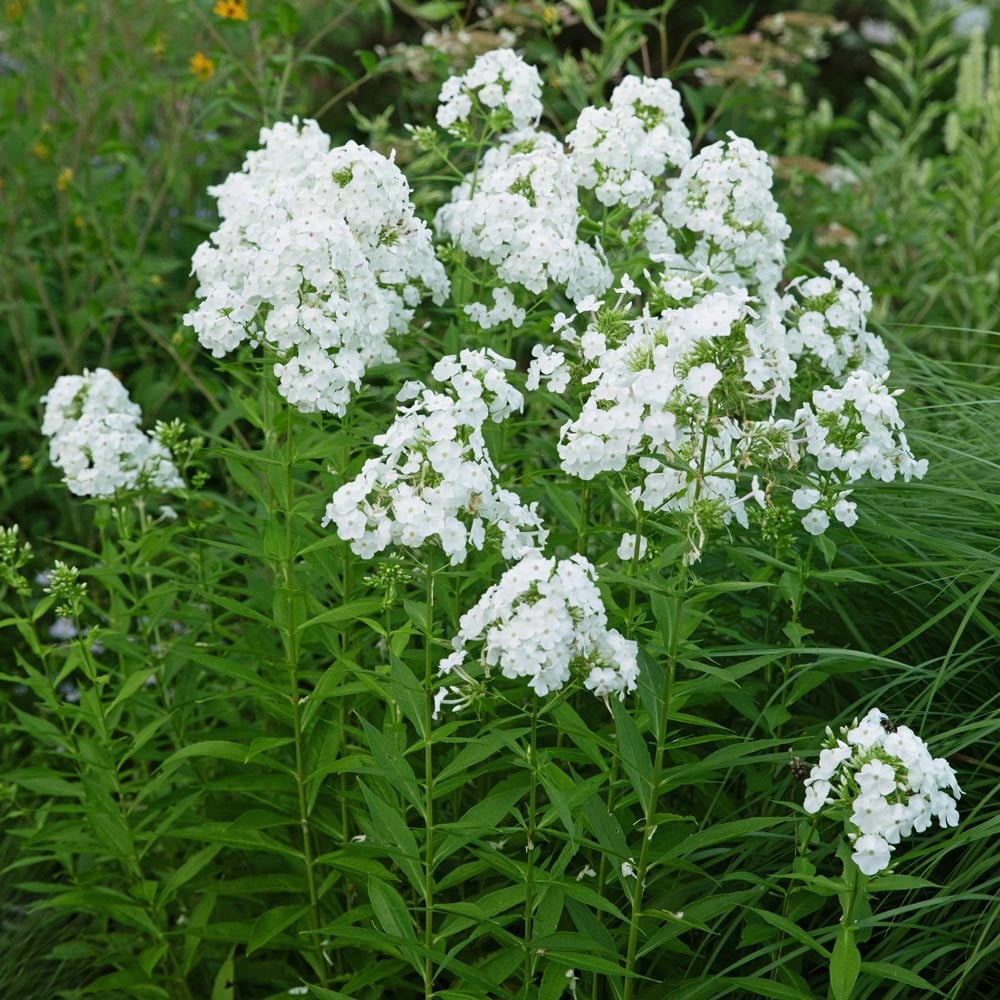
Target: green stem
[
  {"x": 292, "y": 649},
  {"x": 649, "y": 828},
  {"x": 428, "y": 785},
  {"x": 529, "y": 876}
]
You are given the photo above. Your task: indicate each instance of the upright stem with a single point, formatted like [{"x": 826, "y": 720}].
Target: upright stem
[
  {"x": 428, "y": 785},
  {"x": 292, "y": 649},
  {"x": 649, "y": 827},
  {"x": 529, "y": 877}
]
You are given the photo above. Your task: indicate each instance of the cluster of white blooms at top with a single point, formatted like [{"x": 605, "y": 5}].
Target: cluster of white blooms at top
[
  {"x": 95, "y": 438},
  {"x": 319, "y": 256},
  {"x": 520, "y": 211},
  {"x": 883, "y": 778},
  {"x": 544, "y": 621},
  {"x": 502, "y": 83},
  {"x": 719, "y": 218},
  {"x": 621, "y": 151},
  {"x": 434, "y": 478}
]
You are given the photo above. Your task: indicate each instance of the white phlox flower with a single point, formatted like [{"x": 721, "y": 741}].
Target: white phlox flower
[
  {"x": 883, "y": 780},
  {"x": 96, "y": 441},
  {"x": 320, "y": 258},
  {"x": 545, "y": 622},
  {"x": 434, "y": 479}
]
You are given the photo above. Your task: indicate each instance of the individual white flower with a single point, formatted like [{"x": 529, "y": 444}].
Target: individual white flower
[
  {"x": 626, "y": 547},
  {"x": 816, "y": 522},
  {"x": 871, "y": 854}
]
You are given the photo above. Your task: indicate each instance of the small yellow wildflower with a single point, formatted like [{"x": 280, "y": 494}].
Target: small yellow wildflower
[
  {"x": 65, "y": 178},
  {"x": 40, "y": 150},
  {"x": 159, "y": 47},
  {"x": 78, "y": 221},
  {"x": 233, "y": 10},
  {"x": 15, "y": 10},
  {"x": 202, "y": 66},
  {"x": 25, "y": 461},
  {"x": 155, "y": 280}
]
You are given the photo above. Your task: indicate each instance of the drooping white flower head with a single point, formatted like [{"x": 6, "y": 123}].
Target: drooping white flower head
[
  {"x": 544, "y": 622},
  {"x": 96, "y": 441},
  {"x": 319, "y": 257},
  {"x": 883, "y": 780},
  {"x": 501, "y": 84}
]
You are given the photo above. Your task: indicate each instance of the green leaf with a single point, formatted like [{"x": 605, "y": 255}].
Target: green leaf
[
  {"x": 393, "y": 766},
  {"x": 769, "y": 988},
  {"x": 225, "y": 979},
  {"x": 271, "y": 923},
  {"x": 634, "y": 752},
  {"x": 792, "y": 930},
  {"x": 179, "y": 877},
  {"x": 898, "y": 973},
  {"x": 408, "y": 693},
  {"x": 389, "y": 829},
  {"x": 391, "y": 912},
  {"x": 343, "y": 613},
  {"x": 845, "y": 964}
]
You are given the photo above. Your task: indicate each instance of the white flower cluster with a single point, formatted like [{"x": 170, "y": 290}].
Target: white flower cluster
[
  {"x": 883, "y": 778},
  {"x": 652, "y": 401},
  {"x": 95, "y": 438},
  {"x": 852, "y": 431},
  {"x": 720, "y": 218},
  {"x": 688, "y": 397},
  {"x": 827, "y": 319},
  {"x": 501, "y": 83},
  {"x": 520, "y": 211},
  {"x": 320, "y": 258},
  {"x": 621, "y": 151},
  {"x": 545, "y": 621},
  {"x": 434, "y": 478}
]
